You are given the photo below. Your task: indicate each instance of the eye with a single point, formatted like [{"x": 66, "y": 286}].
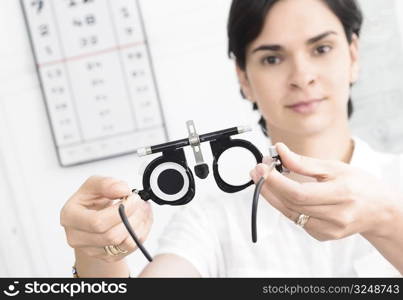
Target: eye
[
  {"x": 271, "y": 60},
  {"x": 323, "y": 49}
]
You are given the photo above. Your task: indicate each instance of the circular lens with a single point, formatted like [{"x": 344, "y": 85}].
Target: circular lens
[
  {"x": 235, "y": 164},
  {"x": 169, "y": 181}
]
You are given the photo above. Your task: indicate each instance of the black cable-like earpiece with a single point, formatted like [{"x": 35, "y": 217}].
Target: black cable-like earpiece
[
  {"x": 255, "y": 200},
  {"x": 256, "y": 194},
  {"x": 129, "y": 228}
]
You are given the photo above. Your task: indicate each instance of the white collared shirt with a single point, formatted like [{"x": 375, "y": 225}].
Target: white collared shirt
[{"x": 214, "y": 234}]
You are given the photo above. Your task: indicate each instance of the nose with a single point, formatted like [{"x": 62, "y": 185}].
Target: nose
[{"x": 302, "y": 73}]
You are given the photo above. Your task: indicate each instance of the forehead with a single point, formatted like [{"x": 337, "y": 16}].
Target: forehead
[{"x": 295, "y": 21}]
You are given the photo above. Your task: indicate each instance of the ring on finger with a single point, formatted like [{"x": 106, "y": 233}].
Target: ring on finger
[
  {"x": 114, "y": 250},
  {"x": 302, "y": 220}
]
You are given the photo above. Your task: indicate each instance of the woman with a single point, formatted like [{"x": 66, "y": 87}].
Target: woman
[{"x": 296, "y": 61}]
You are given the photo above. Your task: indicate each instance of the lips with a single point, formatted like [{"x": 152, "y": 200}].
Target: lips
[
  {"x": 306, "y": 107},
  {"x": 304, "y": 102}
]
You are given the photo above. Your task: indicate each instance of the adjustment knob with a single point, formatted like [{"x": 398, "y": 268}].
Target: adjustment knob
[{"x": 201, "y": 171}]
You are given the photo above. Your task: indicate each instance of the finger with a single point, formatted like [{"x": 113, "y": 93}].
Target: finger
[
  {"x": 261, "y": 170},
  {"x": 320, "y": 169},
  {"x": 324, "y": 231},
  {"x": 267, "y": 160},
  {"x": 304, "y": 194},
  {"x": 292, "y": 213},
  {"x": 128, "y": 245},
  {"x": 317, "y": 211},
  {"x": 318, "y": 228},
  {"x": 278, "y": 184},
  {"x": 334, "y": 216},
  {"x": 275, "y": 202},
  {"x": 80, "y": 218},
  {"x": 137, "y": 220},
  {"x": 313, "y": 224},
  {"x": 141, "y": 231},
  {"x": 115, "y": 236},
  {"x": 103, "y": 187},
  {"x": 131, "y": 204},
  {"x": 101, "y": 253}
]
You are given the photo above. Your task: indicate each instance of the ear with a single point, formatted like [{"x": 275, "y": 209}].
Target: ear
[
  {"x": 355, "y": 58},
  {"x": 244, "y": 83}
]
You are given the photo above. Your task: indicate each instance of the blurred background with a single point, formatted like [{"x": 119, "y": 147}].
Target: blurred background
[{"x": 83, "y": 83}]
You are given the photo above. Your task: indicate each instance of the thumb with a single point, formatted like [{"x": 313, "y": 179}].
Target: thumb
[
  {"x": 304, "y": 165},
  {"x": 261, "y": 170},
  {"x": 104, "y": 187}
]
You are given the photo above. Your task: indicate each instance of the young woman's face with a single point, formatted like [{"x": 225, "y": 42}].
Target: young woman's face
[{"x": 299, "y": 69}]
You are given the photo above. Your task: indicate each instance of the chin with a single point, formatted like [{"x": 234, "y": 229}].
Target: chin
[{"x": 309, "y": 127}]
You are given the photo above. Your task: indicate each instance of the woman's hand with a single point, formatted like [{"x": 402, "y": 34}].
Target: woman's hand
[
  {"x": 91, "y": 218},
  {"x": 342, "y": 201}
]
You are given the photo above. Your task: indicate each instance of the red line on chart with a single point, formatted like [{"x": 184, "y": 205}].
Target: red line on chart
[{"x": 78, "y": 57}]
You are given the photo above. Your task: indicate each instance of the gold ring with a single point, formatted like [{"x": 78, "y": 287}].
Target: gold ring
[
  {"x": 121, "y": 251},
  {"x": 113, "y": 250},
  {"x": 302, "y": 219}
]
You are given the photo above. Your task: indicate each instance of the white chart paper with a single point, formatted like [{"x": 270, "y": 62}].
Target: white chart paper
[{"x": 97, "y": 79}]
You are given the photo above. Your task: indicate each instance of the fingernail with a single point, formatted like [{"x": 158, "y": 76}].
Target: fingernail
[
  {"x": 252, "y": 174},
  {"x": 121, "y": 187},
  {"x": 282, "y": 148},
  {"x": 267, "y": 160},
  {"x": 260, "y": 170}
]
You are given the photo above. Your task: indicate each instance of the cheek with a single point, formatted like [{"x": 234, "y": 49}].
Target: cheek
[
  {"x": 267, "y": 88},
  {"x": 338, "y": 78},
  {"x": 268, "y": 93}
]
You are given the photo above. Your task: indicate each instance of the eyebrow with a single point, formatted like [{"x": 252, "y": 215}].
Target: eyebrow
[{"x": 308, "y": 42}]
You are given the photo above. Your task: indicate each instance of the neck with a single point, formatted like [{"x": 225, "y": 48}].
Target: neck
[{"x": 334, "y": 143}]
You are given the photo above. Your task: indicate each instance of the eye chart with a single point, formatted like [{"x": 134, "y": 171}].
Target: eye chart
[{"x": 96, "y": 75}]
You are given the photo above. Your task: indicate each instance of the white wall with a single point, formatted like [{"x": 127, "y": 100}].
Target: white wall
[
  {"x": 378, "y": 94},
  {"x": 195, "y": 80}
]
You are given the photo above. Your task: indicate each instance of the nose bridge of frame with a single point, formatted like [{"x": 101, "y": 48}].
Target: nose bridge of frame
[{"x": 201, "y": 168}]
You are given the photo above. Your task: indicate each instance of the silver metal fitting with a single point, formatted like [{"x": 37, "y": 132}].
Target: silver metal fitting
[
  {"x": 194, "y": 142},
  {"x": 143, "y": 151},
  {"x": 242, "y": 129}
]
